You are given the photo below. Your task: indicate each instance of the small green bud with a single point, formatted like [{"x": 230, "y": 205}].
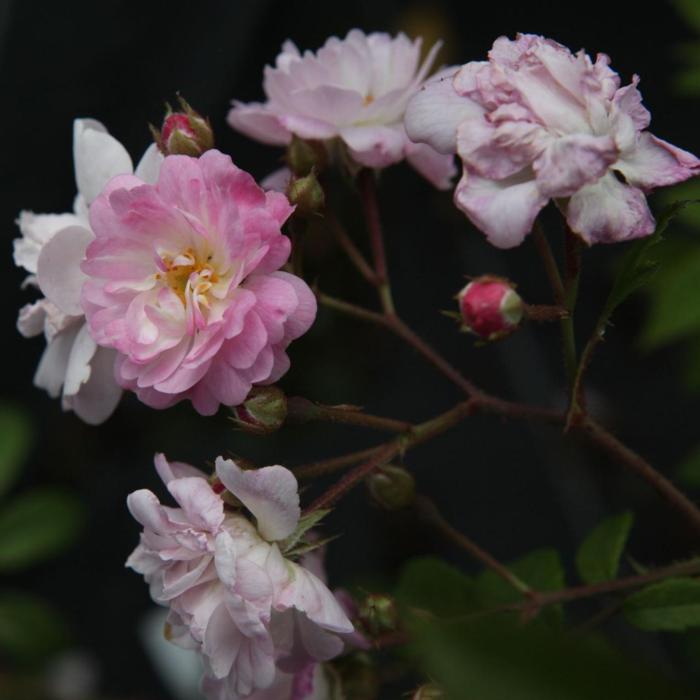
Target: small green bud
[
  {"x": 392, "y": 487},
  {"x": 264, "y": 411},
  {"x": 429, "y": 691},
  {"x": 303, "y": 156},
  {"x": 378, "y": 614},
  {"x": 307, "y": 195}
]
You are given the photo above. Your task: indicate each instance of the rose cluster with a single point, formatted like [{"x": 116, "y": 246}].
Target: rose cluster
[{"x": 257, "y": 618}]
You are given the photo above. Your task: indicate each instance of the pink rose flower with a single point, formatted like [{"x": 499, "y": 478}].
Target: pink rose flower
[
  {"x": 234, "y": 597},
  {"x": 355, "y": 89},
  {"x": 183, "y": 281},
  {"x": 536, "y": 122},
  {"x": 51, "y": 250}
]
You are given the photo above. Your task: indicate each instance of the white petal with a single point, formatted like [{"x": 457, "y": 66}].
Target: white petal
[
  {"x": 100, "y": 394},
  {"x": 36, "y": 230},
  {"x": 270, "y": 494},
  {"x": 78, "y": 368},
  {"x": 51, "y": 372},
  {"x": 435, "y": 112},
  {"x": 148, "y": 168},
  {"x": 98, "y": 158},
  {"x": 58, "y": 268}
]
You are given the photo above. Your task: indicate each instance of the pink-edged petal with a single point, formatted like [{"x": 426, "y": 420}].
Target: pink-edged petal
[
  {"x": 656, "y": 163},
  {"x": 258, "y": 122},
  {"x": 436, "y": 168},
  {"x": 58, "y": 268},
  {"x": 168, "y": 471},
  {"x": 303, "y": 316},
  {"x": 271, "y": 494},
  {"x": 98, "y": 157},
  {"x": 145, "y": 507},
  {"x": 504, "y": 210},
  {"x": 435, "y": 112},
  {"x": 570, "y": 162},
  {"x": 375, "y": 146},
  {"x": 203, "y": 508},
  {"x": 277, "y": 180},
  {"x": 310, "y": 595},
  {"x": 609, "y": 211}
]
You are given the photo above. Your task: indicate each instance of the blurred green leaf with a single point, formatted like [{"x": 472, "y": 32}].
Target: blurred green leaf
[
  {"x": 37, "y": 525},
  {"x": 29, "y": 628},
  {"x": 431, "y": 584},
  {"x": 540, "y": 569},
  {"x": 690, "y": 10},
  {"x": 689, "y": 470},
  {"x": 672, "y": 605},
  {"x": 15, "y": 440},
  {"x": 498, "y": 659},
  {"x": 640, "y": 262},
  {"x": 675, "y": 302},
  {"x": 598, "y": 557}
]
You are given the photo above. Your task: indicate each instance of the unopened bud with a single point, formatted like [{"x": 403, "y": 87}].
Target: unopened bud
[
  {"x": 378, "y": 614},
  {"x": 392, "y": 487},
  {"x": 306, "y": 194},
  {"x": 303, "y": 156},
  {"x": 490, "y": 307},
  {"x": 184, "y": 133},
  {"x": 429, "y": 691},
  {"x": 264, "y": 411}
]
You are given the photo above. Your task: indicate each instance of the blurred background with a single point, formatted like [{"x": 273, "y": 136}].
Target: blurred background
[{"x": 74, "y": 623}]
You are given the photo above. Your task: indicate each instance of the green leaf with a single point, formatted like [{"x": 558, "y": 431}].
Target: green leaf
[
  {"x": 501, "y": 659},
  {"x": 37, "y": 525},
  {"x": 540, "y": 569},
  {"x": 598, "y": 557},
  {"x": 690, "y": 10},
  {"x": 672, "y": 605},
  {"x": 430, "y": 584},
  {"x": 306, "y": 522},
  {"x": 29, "y": 628},
  {"x": 15, "y": 440},
  {"x": 675, "y": 301},
  {"x": 640, "y": 263},
  {"x": 689, "y": 470}
]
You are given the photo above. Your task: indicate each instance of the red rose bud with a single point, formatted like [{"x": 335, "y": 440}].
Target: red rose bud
[
  {"x": 392, "y": 487},
  {"x": 490, "y": 307},
  {"x": 264, "y": 411},
  {"x": 185, "y": 133}
]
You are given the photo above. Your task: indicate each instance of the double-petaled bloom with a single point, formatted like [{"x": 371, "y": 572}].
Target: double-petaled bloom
[
  {"x": 536, "y": 122},
  {"x": 258, "y": 619},
  {"x": 183, "y": 281},
  {"x": 355, "y": 90},
  {"x": 51, "y": 249}
]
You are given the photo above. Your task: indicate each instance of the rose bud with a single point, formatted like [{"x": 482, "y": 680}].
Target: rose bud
[
  {"x": 185, "y": 133},
  {"x": 429, "y": 691},
  {"x": 490, "y": 307},
  {"x": 264, "y": 411},
  {"x": 306, "y": 194},
  {"x": 303, "y": 156},
  {"x": 392, "y": 487},
  {"x": 378, "y": 613}
]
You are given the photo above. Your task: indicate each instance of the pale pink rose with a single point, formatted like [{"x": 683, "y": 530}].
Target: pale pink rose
[
  {"x": 51, "y": 250},
  {"x": 536, "y": 122},
  {"x": 355, "y": 89},
  {"x": 233, "y": 596},
  {"x": 184, "y": 282}
]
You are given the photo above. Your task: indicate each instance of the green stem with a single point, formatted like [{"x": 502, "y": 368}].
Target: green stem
[
  {"x": 572, "y": 275},
  {"x": 368, "y": 193}
]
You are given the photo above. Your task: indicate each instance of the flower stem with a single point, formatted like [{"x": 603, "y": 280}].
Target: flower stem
[
  {"x": 368, "y": 193},
  {"x": 430, "y": 512},
  {"x": 351, "y": 250},
  {"x": 572, "y": 275},
  {"x": 301, "y": 410}
]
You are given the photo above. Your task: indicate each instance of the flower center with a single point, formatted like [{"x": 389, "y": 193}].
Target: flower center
[
  {"x": 369, "y": 98},
  {"x": 188, "y": 276}
]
